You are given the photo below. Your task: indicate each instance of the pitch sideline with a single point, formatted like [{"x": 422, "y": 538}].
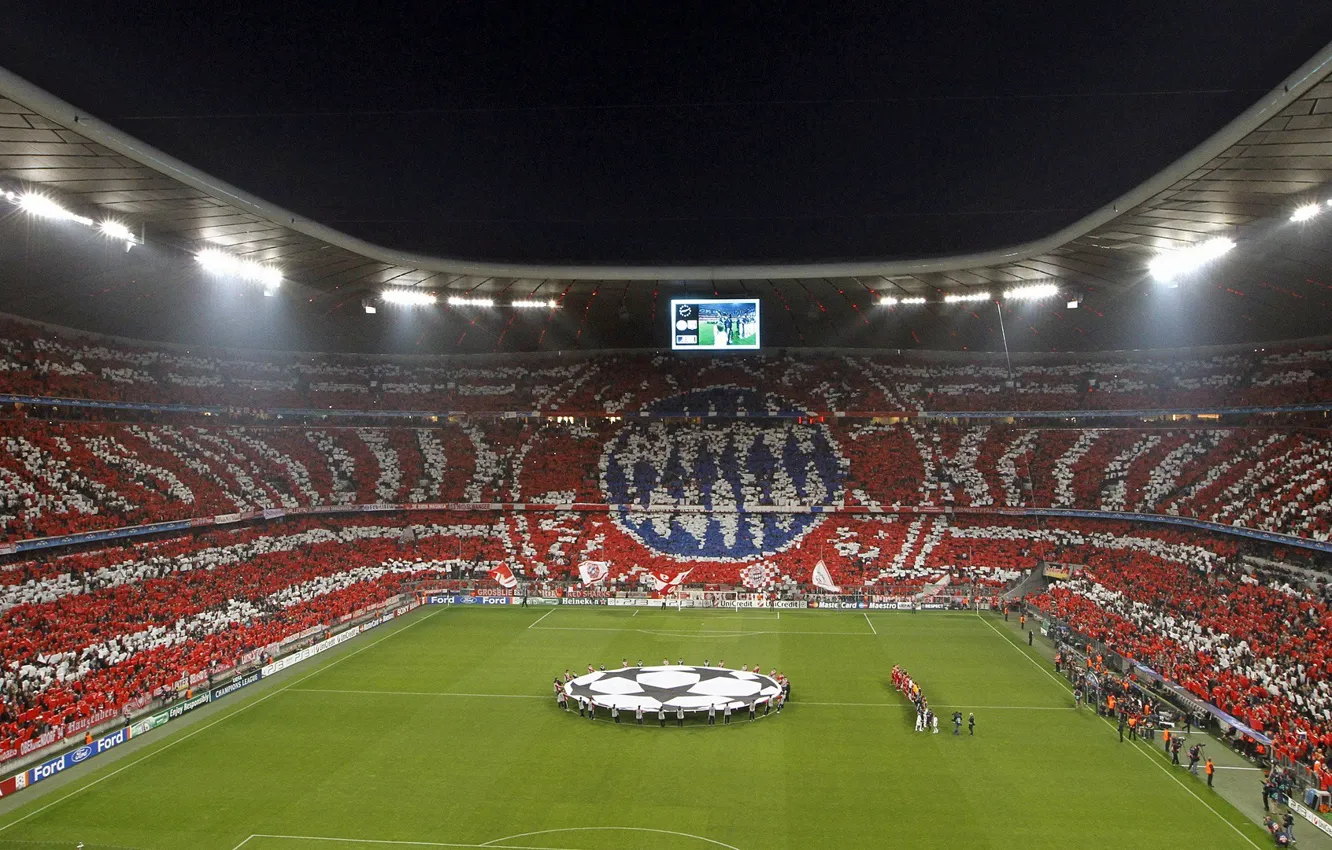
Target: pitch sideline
[
  {"x": 168, "y": 743},
  {"x": 1062, "y": 685}
]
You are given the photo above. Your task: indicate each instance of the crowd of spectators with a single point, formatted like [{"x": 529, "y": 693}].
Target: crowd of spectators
[
  {"x": 37, "y": 360},
  {"x": 1256, "y": 644},
  {"x": 61, "y": 477}
]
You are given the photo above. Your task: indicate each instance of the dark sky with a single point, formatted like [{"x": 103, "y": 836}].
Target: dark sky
[{"x": 671, "y": 132}]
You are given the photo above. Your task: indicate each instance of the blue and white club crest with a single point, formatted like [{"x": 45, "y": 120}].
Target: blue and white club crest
[{"x": 730, "y": 468}]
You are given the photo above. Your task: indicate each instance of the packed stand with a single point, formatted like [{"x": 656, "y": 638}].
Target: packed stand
[{"x": 40, "y": 361}]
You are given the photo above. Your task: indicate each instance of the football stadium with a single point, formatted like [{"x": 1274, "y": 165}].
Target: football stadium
[{"x": 681, "y": 427}]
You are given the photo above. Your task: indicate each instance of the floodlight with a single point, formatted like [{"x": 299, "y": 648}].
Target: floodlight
[
  {"x": 227, "y": 265},
  {"x": 44, "y": 207},
  {"x": 1306, "y": 212},
  {"x": 468, "y": 301},
  {"x": 1170, "y": 265},
  {"x": 887, "y": 301},
  {"x": 958, "y": 298},
  {"x": 406, "y": 298},
  {"x": 1031, "y": 292},
  {"x": 534, "y": 304},
  {"x": 116, "y": 230},
  {"x": 916, "y": 300}
]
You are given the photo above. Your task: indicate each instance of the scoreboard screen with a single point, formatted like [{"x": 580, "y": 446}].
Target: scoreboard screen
[{"x": 714, "y": 324}]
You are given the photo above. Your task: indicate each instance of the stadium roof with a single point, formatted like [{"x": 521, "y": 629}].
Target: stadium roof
[{"x": 1242, "y": 183}]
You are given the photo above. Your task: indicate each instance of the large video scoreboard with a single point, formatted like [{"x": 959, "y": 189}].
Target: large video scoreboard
[{"x": 714, "y": 324}]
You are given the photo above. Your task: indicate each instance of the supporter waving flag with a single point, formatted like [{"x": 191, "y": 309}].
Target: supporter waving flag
[
  {"x": 662, "y": 580},
  {"x": 592, "y": 572},
  {"x": 504, "y": 576},
  {"x": 823, "y": 579}
]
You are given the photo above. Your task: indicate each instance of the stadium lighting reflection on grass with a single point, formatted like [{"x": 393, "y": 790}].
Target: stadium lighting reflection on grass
[
  {"x": 469, "y": 301},
  {"x": 961, "y": 298},
  {"x": 407, "y": 297},
  {"x": 1306, "y": 212},
  {"x": 1170, "y": 265},
  {"x": 534, "y": 304},
  {"x": 223, "y": 264},
  {"x": 1031, "y": 292}
]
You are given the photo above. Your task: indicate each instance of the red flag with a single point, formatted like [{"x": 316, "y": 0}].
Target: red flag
[{"x": 504, "y": 576}]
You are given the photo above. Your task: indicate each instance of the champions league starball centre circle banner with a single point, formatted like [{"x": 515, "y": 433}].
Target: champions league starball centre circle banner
[{"x": 690, "y": 688}]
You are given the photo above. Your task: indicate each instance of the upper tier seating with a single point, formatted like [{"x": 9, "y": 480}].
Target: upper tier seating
[{"x": 38, "y": 361}]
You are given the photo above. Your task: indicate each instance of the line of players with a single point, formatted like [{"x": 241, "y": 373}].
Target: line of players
[
  {"x": 588, "y": 708},
  {"x": 926, "y": 719}
]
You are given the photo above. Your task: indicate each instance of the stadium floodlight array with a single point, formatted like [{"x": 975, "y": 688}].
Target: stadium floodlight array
[
  {"x": 1306, "y": 212},
  {"x": 1031, "y": 292},
  {"x": 406, "y": 298},
  {"x": 534, "y": 304},
  {"x": 890, "y": 301},
  {"x": 470, "y": 301},
  {"x": 223, "y": 264},
  {"x": 41, "y": 206},
  {"x": 959, "y": 298},
  {"x": 1172, "y": 264}
]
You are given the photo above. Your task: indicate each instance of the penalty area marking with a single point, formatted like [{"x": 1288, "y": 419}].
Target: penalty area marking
[
  {"x": 873, "y": 630},
  {"x": 713, "y": 841},
  {"x": 1062, "y": 685},
  {"x": 171, "y": 742},
  {"x": 542, "y": 617}
]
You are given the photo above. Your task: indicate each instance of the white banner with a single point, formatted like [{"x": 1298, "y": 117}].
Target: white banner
[
  {"x": 823, "y": 579},
  {"x": 592, "y": 572}
]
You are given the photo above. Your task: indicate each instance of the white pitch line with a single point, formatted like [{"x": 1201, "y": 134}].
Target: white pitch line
[
  {"x": 635, "y": 614},
  {"x": 897, "y": 705},
  {"x": 696, "y": 632},
  {"x": 873, "y": 630},
  {"x": 542, "y": 617},
  {"x": 174, "y": 741},
  {"x": 397, "y": 843},
  {"x": 416, "y": 693},
  {"x": 494, "y": 843},
  {"x": 912, "y": 707},
  {"x": 1062, "y": 685}
]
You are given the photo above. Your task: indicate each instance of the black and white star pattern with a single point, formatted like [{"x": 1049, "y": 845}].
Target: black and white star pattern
[{"x": 690, "y": 688}]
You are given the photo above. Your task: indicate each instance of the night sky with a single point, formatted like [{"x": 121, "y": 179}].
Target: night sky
[{"x": 674, "y": 132}]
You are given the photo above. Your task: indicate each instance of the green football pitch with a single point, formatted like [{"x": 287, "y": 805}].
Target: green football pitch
[{"x": 438, "y": 731}]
